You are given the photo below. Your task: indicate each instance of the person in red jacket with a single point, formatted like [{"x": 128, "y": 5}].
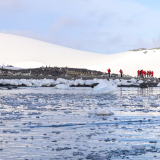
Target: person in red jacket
[
  {"x": 142, "y": 72},
  {"x": 121, "y": 72},
  {"x": 149, "y": 73},
  {"x": 152, "y": 73},
  {"x": 109, "y": 72},
  {"x": 138, "y": 73}
]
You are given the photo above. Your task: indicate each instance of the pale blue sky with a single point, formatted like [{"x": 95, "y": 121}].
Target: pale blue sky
[{"x": 102, "y": 26}]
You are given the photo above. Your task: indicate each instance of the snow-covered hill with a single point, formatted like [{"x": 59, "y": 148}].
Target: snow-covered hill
[
  {"x": 16, "y": 49},
  {"x": 29, "y": 53},
  {"x": 132, "y": 61},
  {"x": 32, "y": 64}
]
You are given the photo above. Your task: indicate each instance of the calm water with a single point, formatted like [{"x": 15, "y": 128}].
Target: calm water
[{"x": 44, "y": 123}]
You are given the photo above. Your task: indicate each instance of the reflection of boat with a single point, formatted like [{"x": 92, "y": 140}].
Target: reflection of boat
[
  {"x": 141, "y": 85},
  {"x": 92, "y": 86}
]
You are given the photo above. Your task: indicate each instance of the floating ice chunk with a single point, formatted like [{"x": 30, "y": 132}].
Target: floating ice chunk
[
  {"x": 139, "y": 98},
  {"x": 104, "y": 88},
  {"x": 133, "y": 80},
  {"x": 75, "y": 83},
  {"x": 62, "y": 86},
  {"x": 71, "y": 82},
  {"x": 47, "y": 82},
  {"x": 80, "y": 81},
  {"x": 89, "y": 82},
  {"x": 36, "y": 83},
  {"x": 95, "y": 80},
  {"x": 116, "y": 81},
  {"x": 152, "y": 97},
  {"x": 101, "y": 112},
  {"x": 139, "y": 147},
  {"x": 104, "y": 112},
  {"x": 140, "y": 81}
]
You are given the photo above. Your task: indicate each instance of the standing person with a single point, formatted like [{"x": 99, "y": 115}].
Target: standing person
[
  {"x": 145, "y": 74},
  {"x": 121, "y": 72},
  {"x": 149, "y": 73},
  {"x": 142, "y": 72},
  {"x": 138, "y": 73},
  {"x": 109, "y": 72},
  {"x": 152, "y": 73}
]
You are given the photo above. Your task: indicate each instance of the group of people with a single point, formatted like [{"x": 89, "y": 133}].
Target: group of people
[
  {"x": 109, "y": 72},
  {"x": 142, "y": 73}
]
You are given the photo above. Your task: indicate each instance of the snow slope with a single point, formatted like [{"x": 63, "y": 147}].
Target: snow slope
[
  {"x": 29, "y": 53},
  {"x": 10, "y": 68},
  {"x": 17, "y": 49},
  {"x": 131, "y": 61},
  {"x": 29, "y": 64}
]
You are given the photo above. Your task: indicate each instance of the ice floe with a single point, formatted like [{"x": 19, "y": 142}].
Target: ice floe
[
  {"x": 101, "y": 112},
  {"x": 62, "y": 86},
  {"x": 139, "y": 147},
  {"x": 104, "y": 88}
]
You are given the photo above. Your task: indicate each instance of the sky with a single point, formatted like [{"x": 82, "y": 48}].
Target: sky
[{"x": 101, "y": 26}]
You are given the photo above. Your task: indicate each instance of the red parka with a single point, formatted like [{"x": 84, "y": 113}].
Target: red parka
[{"x": 121, "y": 72}]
